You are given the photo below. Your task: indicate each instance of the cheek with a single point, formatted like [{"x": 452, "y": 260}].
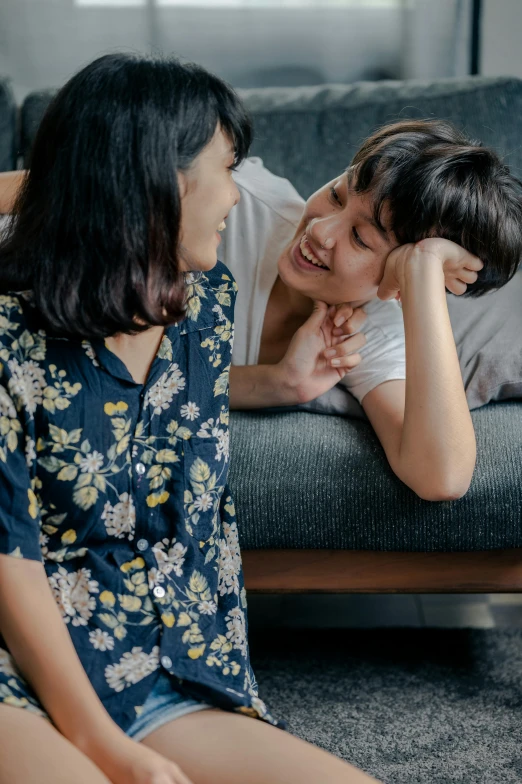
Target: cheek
[{"x": 360, "y": 274}]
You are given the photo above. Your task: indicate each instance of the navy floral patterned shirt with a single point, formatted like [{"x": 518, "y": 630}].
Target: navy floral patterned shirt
[{"x": 120, "y": 489}]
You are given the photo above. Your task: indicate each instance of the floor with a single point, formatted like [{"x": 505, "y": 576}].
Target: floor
[{"x": 483, "y": 611}]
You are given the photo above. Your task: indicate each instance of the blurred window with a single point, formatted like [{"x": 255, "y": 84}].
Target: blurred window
[
  {"x": 112, "y": 3},
  {"x": 262, "y": 3}
]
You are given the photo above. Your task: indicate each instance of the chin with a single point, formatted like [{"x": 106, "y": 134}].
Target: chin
[
  {"x": 293, "y": 280},
  {"x": 286, "y": 272},
  {"x": 208, "y": 265},
  {"x": 208, "y": 262}
]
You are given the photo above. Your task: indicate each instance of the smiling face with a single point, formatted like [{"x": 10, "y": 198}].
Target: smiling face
[
  {"x": 208, "y": 193},
  {"x": 350, "y": 265}
]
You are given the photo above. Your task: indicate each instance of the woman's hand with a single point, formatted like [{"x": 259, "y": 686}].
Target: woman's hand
[
  {"x": 124, "y": 761},
  {"x": 460, "y": 268},
  {"x": 322, "y": 351}
]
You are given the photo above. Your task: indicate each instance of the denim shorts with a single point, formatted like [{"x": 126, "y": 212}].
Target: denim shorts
[{"x": 163, "y": 704}]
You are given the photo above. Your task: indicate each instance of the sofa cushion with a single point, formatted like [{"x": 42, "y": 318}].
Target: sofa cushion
[
  {"x": 310, "y": 134},
  {"x": 8, "y": 127},
  {"x": 303, "y": 480}
]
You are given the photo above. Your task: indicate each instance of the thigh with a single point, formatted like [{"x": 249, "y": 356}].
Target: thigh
[
  {"x": 218, "y": 747},
  {"x": 34, "y": 752}
]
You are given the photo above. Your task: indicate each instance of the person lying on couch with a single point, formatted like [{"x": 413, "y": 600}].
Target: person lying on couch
[{"x": 420, "y": 209}]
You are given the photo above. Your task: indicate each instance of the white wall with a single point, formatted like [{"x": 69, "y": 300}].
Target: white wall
[
  {"x": 501, "y": 50},
  {"x": 43, "y": 42}
]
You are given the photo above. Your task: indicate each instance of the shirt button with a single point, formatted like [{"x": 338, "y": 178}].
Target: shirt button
[
  {"x": 166, "y": 662},
  {"x": 142, "y": 544},
  {"x": 159, "y": 591},
  {"x": 140, "y": 468}
]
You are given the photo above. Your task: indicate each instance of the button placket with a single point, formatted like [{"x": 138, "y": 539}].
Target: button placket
[{"x": 138, "y": 471}]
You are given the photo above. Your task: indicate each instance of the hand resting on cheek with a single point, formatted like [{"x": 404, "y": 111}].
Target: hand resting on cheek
[{"x": 460, "y": 267}]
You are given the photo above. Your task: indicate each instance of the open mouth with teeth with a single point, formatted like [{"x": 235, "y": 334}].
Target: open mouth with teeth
[{"x": 309, "y": 255}]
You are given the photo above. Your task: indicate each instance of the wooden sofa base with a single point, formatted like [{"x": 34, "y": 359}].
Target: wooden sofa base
[{"x": 356, "y": 571}]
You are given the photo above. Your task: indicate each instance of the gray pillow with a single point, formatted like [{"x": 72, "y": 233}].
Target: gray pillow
[{"x": 488, "y": 335}]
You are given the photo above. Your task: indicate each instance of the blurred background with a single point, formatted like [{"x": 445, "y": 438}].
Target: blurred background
[{"x": 255, "y": 43}]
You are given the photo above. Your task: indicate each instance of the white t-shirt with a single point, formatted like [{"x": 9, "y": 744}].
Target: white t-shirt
[{"x": 258, "y": 229}]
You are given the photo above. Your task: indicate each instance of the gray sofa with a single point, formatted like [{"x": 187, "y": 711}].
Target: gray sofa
[{"x": 315, "y": 496}]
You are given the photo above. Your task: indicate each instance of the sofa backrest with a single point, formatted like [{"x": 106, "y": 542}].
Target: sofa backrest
[
  {"x": 310, "y": 134},
  {"x": 8, "y": 127}
]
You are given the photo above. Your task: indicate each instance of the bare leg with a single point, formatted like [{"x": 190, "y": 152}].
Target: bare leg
[
  {"x": 218, "y": 747},
  {"x": 34, "y": 752}
]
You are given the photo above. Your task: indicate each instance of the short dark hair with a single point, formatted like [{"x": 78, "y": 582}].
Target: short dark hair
[
  {"x": 96, "y": 228},
  {"x": 437, "y": 182}
]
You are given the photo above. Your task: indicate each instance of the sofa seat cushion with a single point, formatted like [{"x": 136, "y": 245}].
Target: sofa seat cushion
[{"x": 303, "y": 480}]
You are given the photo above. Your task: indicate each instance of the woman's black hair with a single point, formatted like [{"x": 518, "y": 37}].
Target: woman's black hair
[
  {"x": 434, "y": 181},
  {"x": 96, "y": 229}
]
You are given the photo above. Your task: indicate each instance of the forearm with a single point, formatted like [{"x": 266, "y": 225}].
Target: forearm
[
  {"x": 260, "y": 386},
  {"x": 438, "y": 447},
  {"x": 39, "y": 642},
  {"x": 10, "y": 183}
]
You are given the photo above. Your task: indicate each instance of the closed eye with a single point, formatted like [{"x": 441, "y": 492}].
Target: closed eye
[
  {"x": 358, "y": 240},
  {"x": 334, "y": 195}
]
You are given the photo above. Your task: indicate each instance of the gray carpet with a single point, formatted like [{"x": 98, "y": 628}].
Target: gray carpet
[{"x": 409, "y": 706}]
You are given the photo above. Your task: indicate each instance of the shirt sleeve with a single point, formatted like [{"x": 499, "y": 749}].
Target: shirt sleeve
[
  {"x": 384, "y": 355},
  {"x": 19, "y": 510}
]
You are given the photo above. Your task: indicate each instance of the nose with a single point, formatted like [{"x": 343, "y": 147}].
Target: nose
[{"x": 320, "y": 231}]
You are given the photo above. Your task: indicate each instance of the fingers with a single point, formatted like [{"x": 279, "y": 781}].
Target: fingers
[
  {"x": 474, "y": 263},
  {"x": 467, "y": 276},
  {"x": 342, "y": 313},
  {"x": 320, "y": 308},
  {"x": 342, "y": 356},
  {"x": 345, "y": 364},
  {"x": 456, "y": 287},
  {"x": 319, "y": 313},
  {"x": 349, "y": 321}
]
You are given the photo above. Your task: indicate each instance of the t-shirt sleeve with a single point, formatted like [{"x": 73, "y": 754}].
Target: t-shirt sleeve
[
  {"x": 19, "y": 510},
  {"x": 258, "y": 229},
  {"x": 384, "y": 355}
]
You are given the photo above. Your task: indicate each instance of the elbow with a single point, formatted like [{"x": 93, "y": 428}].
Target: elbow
[
  {"x": 442, "y": 479},
  {"x": 443, "y": 493},
  {"x": 439, "y": 488}
]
